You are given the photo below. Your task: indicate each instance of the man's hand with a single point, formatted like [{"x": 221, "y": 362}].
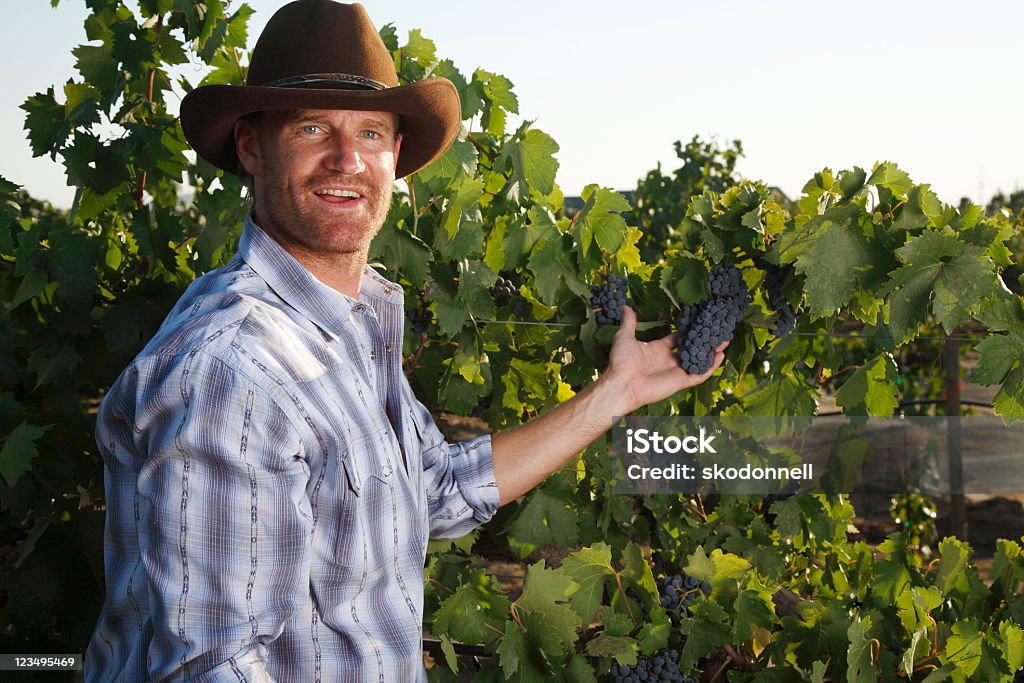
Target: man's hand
[
  {"x": 647, "y": 372},
  {"x": 638, "y": 373}
]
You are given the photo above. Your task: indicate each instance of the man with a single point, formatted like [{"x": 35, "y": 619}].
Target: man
[{"x": 271, "y": 479}]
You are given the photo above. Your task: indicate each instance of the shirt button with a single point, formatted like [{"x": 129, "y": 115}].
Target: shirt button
[
  {"x": 387, "y": 348},
  {"x": 359, "y": 308},
  {"x": 373, "y": 355},
  {"x": 389, "y": 289},
  {"x": 386, "y": 471}
]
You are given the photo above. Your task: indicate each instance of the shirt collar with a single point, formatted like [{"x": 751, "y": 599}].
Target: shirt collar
[{"x": 325, "y": 307}]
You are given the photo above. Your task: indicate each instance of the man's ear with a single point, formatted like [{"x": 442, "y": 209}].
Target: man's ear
[{"x": 247, "y": 147}]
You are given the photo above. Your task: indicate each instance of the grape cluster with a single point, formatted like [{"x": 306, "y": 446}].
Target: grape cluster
[
  {"x": 609, "y": 298},
  {"x": 678, "y": 591},
  {"x": 785, "y": 321},
  {"x": 702, "y": 327},
  {"x": 505, "y": 292},
  {"x": 661, "y": 667},
  {"x": 1019, "y": 676}
]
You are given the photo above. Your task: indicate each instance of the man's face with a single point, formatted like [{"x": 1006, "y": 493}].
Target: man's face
[{"x": 323, "y": 178}]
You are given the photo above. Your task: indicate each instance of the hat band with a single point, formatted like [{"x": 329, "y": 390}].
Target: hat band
[{"x": 326, "y": 80}]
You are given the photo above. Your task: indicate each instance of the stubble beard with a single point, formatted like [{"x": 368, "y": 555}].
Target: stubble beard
[{"x": 313, "y": 229}]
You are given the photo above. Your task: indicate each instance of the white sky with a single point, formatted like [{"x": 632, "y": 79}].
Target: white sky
[{"x": 934, "y": 86}]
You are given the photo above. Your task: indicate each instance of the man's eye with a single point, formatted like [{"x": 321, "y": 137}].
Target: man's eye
[
  {"x": 311, "y": 129},
  {"x": 371, "y": 134}
]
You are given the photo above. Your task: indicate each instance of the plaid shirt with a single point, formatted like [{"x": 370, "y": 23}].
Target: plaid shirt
[{"x": 271, "y": 484}]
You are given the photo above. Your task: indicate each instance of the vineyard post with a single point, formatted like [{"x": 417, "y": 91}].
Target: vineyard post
[{"x": 957, "y": 505}]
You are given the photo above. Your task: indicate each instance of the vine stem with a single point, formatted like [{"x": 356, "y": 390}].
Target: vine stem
[
  {"x": 515, "y": 616},
  {"x": 439, "y": 584},
  {"x": 411, "y": 362},
  {"x": 149, "y": 98},
  {"x": 736, "y": 657},
  {"x": 479, "y": 147},
  {"x": 700, "y": 508},
  {"x": 622, "y": 592},
  {"x": 719, "y": 670}
]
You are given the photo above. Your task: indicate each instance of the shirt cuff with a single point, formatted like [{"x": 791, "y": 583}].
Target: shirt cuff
[{"x": 473, "y": 469}]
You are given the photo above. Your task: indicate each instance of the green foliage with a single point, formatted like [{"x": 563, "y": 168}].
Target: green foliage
[{"x": 792, "y": 598}]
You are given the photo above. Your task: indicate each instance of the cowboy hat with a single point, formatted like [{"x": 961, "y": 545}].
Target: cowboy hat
[{"x": 321, "y": 54}]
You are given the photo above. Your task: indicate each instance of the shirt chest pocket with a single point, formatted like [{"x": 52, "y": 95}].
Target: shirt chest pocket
[{"x": 364, "y": 513}]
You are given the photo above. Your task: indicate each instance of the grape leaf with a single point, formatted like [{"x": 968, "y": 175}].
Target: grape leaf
[
  {"x": 1007, "y": 567},
  {"x": 963, "y": 647},
  {"x": 654, "y": 633},
  {"x": 458, "y": 163},
  {"x": 717, "y": 568},
  {"x": 44, "y": 121},
  {"x": 915, "y": 605},
  {"x": 955, "y": 555},
  {"x": 545, "y": 593},
  {"x": 921, "y": 209},
  {"x": 18, "y": 451},
  {"x": 871, "y": 389},
  {"x": 1000, "y": 353},
  {"x": 860, "y": 655},
  {"x": 1009, "y": 401},
  {"x": 832, "y": 264},
  {"x": 621, "y": 648},
  {"x": 591, "y": 568},
  {"x": 892, "y": 579},
  {"x": 545, "y": 519},
  {"x": 889, "y": 175},
  {"x": 1013, "y": 644},
  {"x": 524, "y": 656},
  {"x": 600, "y": 219},
  {"x": 706, "y": 630},
  {"x": 461, "y": 200},
  {"x": 637, "y": 571},
  {"x": 783, "y": 397},
  {"x": 549, "y": 263},
  {"x": 475, "y": 605},
  {"x": 960, "y": 275},
  {"x": 580, "y": 671},
  {"x": 753, "y": 607},
  {"x": 420, "y": 48},
  {"x": 31, "y": 285},
  {"x": 450, "y": 657},
  {"x": 531, "y": 155}
]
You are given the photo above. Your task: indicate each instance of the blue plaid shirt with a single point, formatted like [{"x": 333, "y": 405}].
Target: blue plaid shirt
[{"x": 271, "y": 484}]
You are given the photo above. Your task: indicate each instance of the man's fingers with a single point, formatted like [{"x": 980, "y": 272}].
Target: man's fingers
[{"x": 627, "y": 327}]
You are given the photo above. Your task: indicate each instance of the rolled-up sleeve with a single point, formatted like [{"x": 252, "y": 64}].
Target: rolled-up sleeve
[
  {"x": 459, "y": 479},
  {"x": 221, "y": 516}
]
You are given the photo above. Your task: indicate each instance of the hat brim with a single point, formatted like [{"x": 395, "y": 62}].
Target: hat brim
[{"x": 430, "y": 110}]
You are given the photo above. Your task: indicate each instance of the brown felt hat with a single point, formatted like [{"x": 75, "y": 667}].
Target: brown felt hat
[{"x": 320, "y": 54}]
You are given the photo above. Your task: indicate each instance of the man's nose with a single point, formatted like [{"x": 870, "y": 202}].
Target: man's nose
[{"x": 344, "y": 156}]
